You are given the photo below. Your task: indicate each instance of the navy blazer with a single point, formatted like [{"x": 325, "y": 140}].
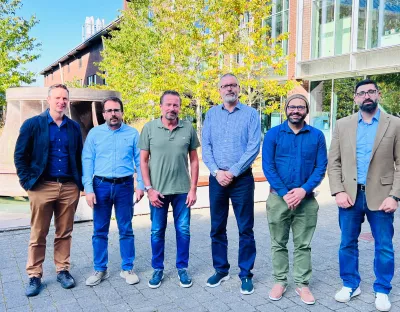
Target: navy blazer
[{"x": 32, "y": 150}]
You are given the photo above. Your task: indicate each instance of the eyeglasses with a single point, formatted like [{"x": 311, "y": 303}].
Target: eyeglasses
[
  {"x": 116, "y": 110},
  {"x": 364, "y": 93},
  {"x": 299, "y": 108},
  {"x": 233, "y": 85}
]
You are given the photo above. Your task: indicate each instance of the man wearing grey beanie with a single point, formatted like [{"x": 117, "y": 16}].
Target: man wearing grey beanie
[{"x": 294, "y": 161}]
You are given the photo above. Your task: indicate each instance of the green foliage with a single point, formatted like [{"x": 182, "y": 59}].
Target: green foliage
[
  {"x": 186, "y": 45},
  {"x": 17, "y": 48}
]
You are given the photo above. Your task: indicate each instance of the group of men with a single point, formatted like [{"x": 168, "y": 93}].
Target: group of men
[{"x": 364, "y": 160}]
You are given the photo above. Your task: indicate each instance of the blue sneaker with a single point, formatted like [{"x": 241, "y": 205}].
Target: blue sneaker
[
  {"x": 184, "y": 279},
  {"x": 217, "y": 278},
  {"x": 156, "y": 279},
  {"x": 247, "y": 287}
]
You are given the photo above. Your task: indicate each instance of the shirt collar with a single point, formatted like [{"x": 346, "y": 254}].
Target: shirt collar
[
  {"x": 285, "y": 127},
  {"x": 50, "y": 119},
  {"x": 161, "y": 125},
  {"x": 238, "y": 106},
  {"x": 375, "y": 118}
]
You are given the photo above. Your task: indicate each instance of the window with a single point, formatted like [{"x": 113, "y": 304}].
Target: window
[
  {"x": 68, "y": 68},
  {"x": 331, "y": 27},
  {"x": 278, "y": 21},
  {"x": 378, "y": 23},
  {"x": 80, "y": 62},
  {"x": 92, "y": 80}
]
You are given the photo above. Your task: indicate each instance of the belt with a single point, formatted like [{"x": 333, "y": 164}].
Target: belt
[
  {"x": 114, "y": 180},
  {"x": 271, "y": 190},
  {"x": 361, "y": 187},
  {"x": 59, "y": 180}
]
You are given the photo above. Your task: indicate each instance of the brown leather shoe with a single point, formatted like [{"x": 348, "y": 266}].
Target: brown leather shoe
[
  {"x": 277, "y": 292},
  {"x": 305, "y": 295}
]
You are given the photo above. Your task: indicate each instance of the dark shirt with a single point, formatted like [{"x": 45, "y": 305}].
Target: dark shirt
[
  {"x": 292, "y": 160},
  {"x": 58, "y": 159}
]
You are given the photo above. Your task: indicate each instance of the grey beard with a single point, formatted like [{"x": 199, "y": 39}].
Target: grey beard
[
  {"x": 369, "y": 108},
  {"x": 230, "y": 98}
]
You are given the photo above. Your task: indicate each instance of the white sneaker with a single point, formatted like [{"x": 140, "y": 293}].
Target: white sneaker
[
  {"x": 382, "y": 302},
  {"x": 346, "y": 293},
  {"x": 130, "y": 277}
]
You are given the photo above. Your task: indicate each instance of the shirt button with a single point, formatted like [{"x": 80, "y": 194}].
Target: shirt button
[
  {"x": 59, "y": 150},
  {"x": 59, "y": 170},
  {"x": 59, "y": 160},
  {"x": 59, "y": 139}
]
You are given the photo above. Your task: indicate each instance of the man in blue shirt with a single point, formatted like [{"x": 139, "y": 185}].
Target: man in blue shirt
[
  {"x": 48, "y": 161},
  {"x": 364, "y": 177},
  {"x": 294, "y": 161},
  {"x": 231, "y": 142},
  {"x": 109, "y": 158}
]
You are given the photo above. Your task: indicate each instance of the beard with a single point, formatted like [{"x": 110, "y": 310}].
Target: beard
[
  {"x": 230, "y": 98},
  {"x": 370, "y": 107},
  {"x": 296, "y": 121},
  {"x": 114, "y": 122},
  {"x": 171, "y": 116}
]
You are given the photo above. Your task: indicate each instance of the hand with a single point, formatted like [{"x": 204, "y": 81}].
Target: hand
[
  {"x": 222, "y": 178},
  {"x": 343, "y": 200},
  {"x": 389, "y": 205},
  {"x": 191, "y": 198},
  {"x": 154, "y": 198},
  {"x": 91, "y": 199},
  {"x": 288, "y": 202},
  {"x": 139, "y": 195},
  {"x": 295, "y": 196}
]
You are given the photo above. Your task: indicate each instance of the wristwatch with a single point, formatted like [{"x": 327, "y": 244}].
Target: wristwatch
[
  {"x": 395, "y": 198},
  {"x": 147, "y": 188},
  {"x": 214, "y": 173}
]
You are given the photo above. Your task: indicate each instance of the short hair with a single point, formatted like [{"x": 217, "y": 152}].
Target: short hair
[
  {"x": 366, "y": 82},
  {"x": 113, "y": 99},
  {"x": 170, "y": 92},
  {"x": 226, "y": 75},
  {"x": 56, "y": 86}
]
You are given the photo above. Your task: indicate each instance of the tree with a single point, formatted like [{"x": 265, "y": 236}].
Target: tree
[
  {"x": 186, "y": 45},
  {"x": 17, "y": 48}
]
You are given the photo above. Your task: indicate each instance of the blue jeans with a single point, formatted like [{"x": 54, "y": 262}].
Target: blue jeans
[
  {"x": 121, "y": 196},
  {"x": 241, "y": 193},
  {"x": 158, "y": 216},
  {"x": 381, "y": 223}
]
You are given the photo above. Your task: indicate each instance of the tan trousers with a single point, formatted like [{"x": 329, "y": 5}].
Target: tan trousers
[{"x": 45, "y": 199}]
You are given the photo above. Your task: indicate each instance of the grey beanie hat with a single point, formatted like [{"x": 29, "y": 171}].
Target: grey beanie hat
[{"x": 297, "y": 96}]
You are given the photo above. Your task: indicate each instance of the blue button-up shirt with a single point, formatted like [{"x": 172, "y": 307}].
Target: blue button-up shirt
[
  {"x": 58, "y": 159},
  {"x": 292, "y": 160},
  {"x": 111, "y": 154},
  {"x": 366, "y": 133},
  {"x": 231, "y": 140}
]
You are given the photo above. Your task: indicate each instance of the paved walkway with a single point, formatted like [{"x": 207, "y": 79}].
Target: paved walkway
[{"x": 115, "y": 295}]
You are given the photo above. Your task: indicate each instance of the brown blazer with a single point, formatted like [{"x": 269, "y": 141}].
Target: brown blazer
[{"x": 383, "y": 178}]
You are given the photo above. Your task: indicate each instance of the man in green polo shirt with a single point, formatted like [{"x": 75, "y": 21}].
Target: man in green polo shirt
[{"x": 165, "y": 144}]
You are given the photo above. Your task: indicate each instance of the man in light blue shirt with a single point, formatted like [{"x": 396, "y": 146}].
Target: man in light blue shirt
[
  {"x": 110, "y": 157},
  {"x": 231, "y": 142},
  {"x": 366, "y": 132}
]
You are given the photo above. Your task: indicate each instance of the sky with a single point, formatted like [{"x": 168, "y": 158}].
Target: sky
[{"x": 60, "y": 25}]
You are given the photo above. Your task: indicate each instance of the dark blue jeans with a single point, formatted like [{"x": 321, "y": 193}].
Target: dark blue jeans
[
  {"x": 241, "y": 193},
  {"x": 159, "y": 216},
  {"x": 121, "y": 197},
  {"x": 381, "y": 223}
]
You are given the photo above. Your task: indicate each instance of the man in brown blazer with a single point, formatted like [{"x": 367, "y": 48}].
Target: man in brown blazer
[{"x": 364, "y": 177}]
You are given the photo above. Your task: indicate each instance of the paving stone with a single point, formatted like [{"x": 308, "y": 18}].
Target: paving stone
[{"x": 115, "y": 295}]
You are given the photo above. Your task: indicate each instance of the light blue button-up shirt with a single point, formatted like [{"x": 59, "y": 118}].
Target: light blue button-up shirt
[
  {"x": 366, "y": 133},
  {"x": 111, "y": 154},
  {"x": 231, "y": 140}
]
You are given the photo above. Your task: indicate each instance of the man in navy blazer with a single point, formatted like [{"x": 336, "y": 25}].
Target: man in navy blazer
[{"x": 48, "y": 161}]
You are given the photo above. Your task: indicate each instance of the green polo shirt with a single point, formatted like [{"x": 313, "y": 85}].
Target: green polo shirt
[{"x": 168, "y": 164}]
